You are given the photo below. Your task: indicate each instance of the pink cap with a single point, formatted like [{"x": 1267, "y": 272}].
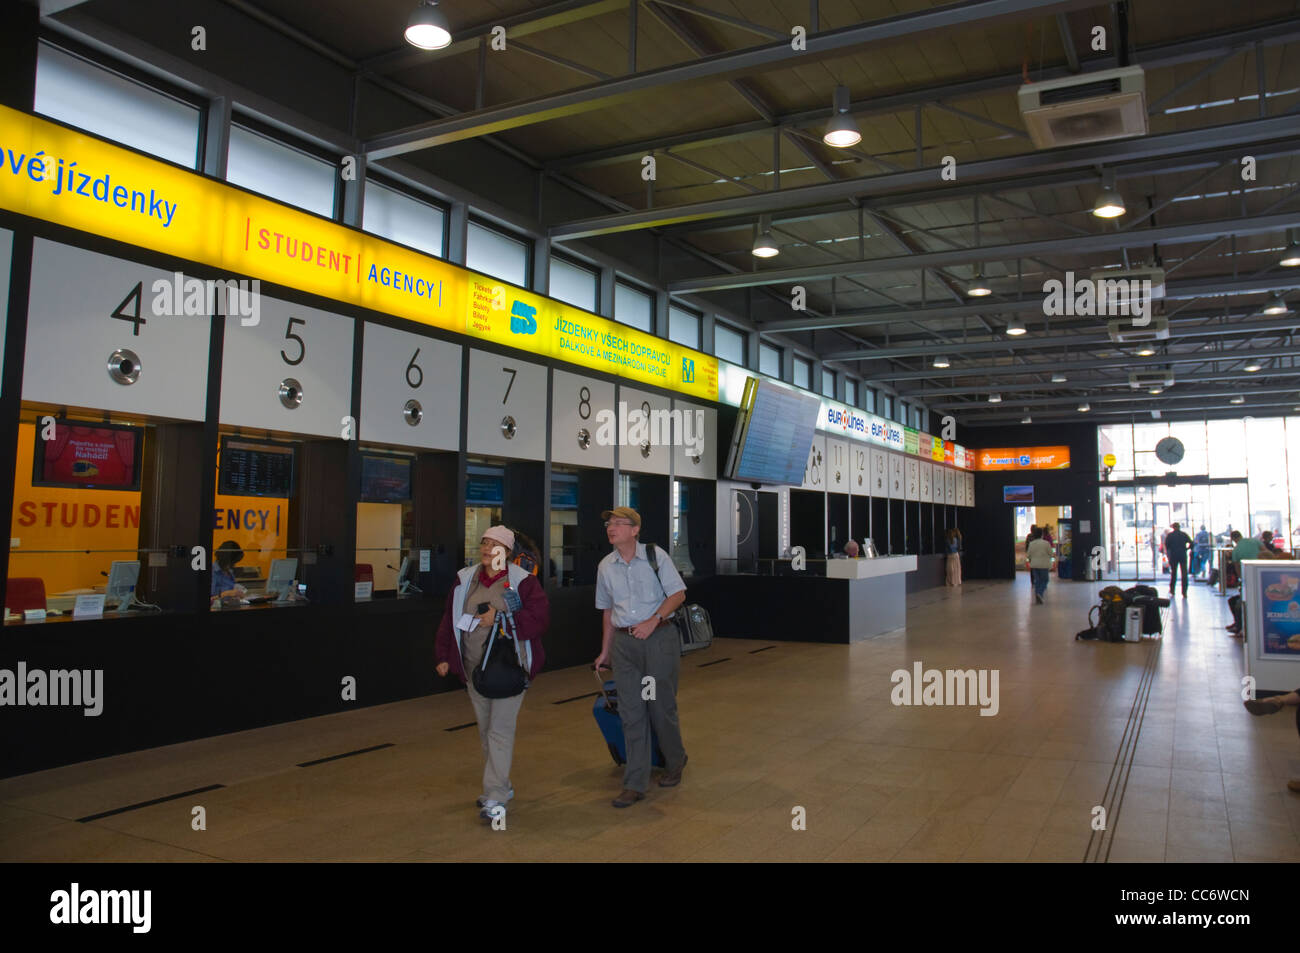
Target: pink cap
[{"x": 501, "y": 535}]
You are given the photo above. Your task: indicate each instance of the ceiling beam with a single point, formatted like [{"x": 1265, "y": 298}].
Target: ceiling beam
[
  {"x": 720, "y": 66},
  {"x": 1072, "y": 245},
  {"x": 1165, "y": 55},
  {"x": 1249, "y": 132}
]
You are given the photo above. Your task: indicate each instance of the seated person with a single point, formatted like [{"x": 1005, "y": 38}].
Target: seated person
[
  {"x": 851, "y": 549},
  {"x": 223, "y": 571}
]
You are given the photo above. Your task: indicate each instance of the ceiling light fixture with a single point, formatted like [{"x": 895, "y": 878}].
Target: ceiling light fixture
[
  {"x": 995, "y": 398},
  {"x": 1026, "y": 419},
  {"x": 1252, "y": 367},
  {"x": 427, "y": 28},
  {"x": 1015, "y": 327},
  {"x": 978, "y": 287},
  {"x": 1291, "y": 257},
  {"x": 1237, "y": 400},
  {"x": 1084, "y": 408},
  {"x": 941, "y": 361},
  {"x": 1109, "y": 204},
  {"x": 1059, "y": 378},
  {"x": 764, "y": 243},
  {"x": 1155, "y": 390},
  {"x": 1146, "y": 351},
  {"x": 1276, "y": 305},
  {"x": 841, "y": 131}
]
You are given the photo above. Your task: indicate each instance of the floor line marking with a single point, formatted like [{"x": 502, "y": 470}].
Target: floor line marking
[
  {"x": 157, "y": 800},
  {"x": 346, "y": 754}
]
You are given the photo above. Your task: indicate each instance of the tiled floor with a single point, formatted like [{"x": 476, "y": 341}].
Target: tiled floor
[{"x": 808, "y": 727}]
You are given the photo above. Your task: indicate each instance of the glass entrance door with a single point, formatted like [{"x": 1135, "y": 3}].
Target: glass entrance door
[{"x": 1136, "y": 518}]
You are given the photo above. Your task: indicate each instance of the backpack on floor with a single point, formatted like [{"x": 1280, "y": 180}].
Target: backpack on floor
[{"x": 1106, "y": 619}]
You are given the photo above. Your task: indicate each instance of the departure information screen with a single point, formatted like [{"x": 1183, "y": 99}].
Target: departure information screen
[
  {"x": 256, "y": 469},
  {"x": 778, "y": 435}
]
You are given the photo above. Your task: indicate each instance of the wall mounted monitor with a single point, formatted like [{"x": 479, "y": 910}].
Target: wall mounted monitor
[
  {"x": 90, "y": 456},
  {"x": 385, "y": 479},
  {"x": 1017, "y": 494},
  {"x": 564, "y": 491},
  {"x": 484, "y": 486},
  {"x": 256, "y": 468},
  {"x": 774, "y": 434}
]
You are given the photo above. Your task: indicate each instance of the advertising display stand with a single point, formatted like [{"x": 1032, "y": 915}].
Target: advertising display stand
[{"x": 1270, "y": 599}]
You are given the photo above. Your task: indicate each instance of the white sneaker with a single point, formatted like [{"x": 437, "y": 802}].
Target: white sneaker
[
  {"x": 492, "y": 810},
  {"x": 483, "y": 799}
]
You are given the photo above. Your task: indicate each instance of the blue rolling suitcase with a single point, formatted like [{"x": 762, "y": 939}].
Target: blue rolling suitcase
[{"x": 611, "y": 725}]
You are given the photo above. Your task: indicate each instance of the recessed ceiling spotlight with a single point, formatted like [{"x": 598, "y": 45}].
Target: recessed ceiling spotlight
[
  {"x": 1084, "y": 407},
  {"x": 841, "y": 132},
  {"x": 1276, "y": 305},
  {"x": 427, "y": 28},
  {"x": 995, "y": 398},
  {"x": 978, "y": 287},
  {"x": 1109, "y": 204},
  {"x": 941, "y": 361},
  {"x": 1059, "y": 378},
  {"x": 1252, "y": 367},
  {"x": 764, "y": 244},
  {"x": 1015, "y": 327},
  {"x": 1237, "y": 400}
]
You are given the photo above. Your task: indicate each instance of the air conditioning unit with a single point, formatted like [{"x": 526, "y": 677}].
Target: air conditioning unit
[
  {"x": 1145, "y": 380},
  {"x": 1123, "y": 332},
  {"x": 1090, "y": 107},
  {"x": 1129, "y": 278}
]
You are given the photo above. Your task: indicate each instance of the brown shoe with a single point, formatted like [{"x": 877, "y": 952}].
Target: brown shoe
[
  {"x": 1293, "y": 786},
  {"x": 628, "y": 798},
  {"x": 673, "y": 778}
]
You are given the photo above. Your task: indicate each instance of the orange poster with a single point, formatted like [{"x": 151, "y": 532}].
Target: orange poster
[{"x": 1023, "y": 458}]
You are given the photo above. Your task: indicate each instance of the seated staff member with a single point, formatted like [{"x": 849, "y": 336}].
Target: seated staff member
[
  {"x": 481, "y": 591},
  {"x": 639, "y": 637},
  {"x": 223, "y": 570}
]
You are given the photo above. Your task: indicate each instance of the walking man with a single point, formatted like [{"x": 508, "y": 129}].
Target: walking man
[
  {"x": 1176, "y": 545},
  {"x": 638, "y": 603}
]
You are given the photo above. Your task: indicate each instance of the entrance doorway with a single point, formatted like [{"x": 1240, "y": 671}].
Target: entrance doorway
[
  {"x": 1136, "y": 516},
  {"x": 1025, "y": 517}
]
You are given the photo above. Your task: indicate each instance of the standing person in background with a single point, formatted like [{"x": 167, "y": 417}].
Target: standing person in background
[
  {"x": 469, "y": 620},
  {"x": 1176, "y": 544},
  {"x": 1201, "y": 554},
  {"x": 638, "y": 637},
  {"x": 952, "y": 566},
  {"x": 1041, "y": 556}
]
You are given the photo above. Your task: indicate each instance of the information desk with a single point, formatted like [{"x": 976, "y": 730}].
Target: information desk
[{"x": 855, "y": 600}]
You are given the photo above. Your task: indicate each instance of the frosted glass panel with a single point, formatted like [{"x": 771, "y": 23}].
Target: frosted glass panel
[
  {"x": 403, "y": 219},
  {"x": 684, "y": 327},
  {"x": 769, "y": 361},
  {"x": 802, "y": 373},
  {"x": 281, "y": 172},
  {"x": 491, "y": 253},
  {"x": 575, "y": 285},
  {"x": 633, "y": 307},
  {"x": 91, "y": 98},
  {"x": 728, "y": 344}
]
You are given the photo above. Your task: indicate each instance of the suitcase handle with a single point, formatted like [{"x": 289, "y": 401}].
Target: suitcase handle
[{"x": 601, "y": 682}]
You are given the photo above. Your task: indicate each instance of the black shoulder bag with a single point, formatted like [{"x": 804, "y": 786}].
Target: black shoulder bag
[{"x": 500, "y": 675}]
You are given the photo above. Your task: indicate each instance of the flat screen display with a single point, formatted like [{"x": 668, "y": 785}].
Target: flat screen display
[
  {"x": 256, "y": 469},
  {"x": 385, "y": 479},
  {"x": 774, "y": 433},
  {"x": 91, "y": 456},
  {"x": 1017, "y": 494}
]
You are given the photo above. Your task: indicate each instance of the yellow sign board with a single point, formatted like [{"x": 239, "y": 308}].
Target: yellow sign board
[
  {"x": 73, "y": 179},
  {"x": 1110, "y": 459}
]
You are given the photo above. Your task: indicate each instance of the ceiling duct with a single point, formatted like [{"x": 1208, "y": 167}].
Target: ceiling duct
[
  {"x": 1124, "y": 332},
  {"x": 1145, "y": 380},
  {"x": 1090, "y": 107}
]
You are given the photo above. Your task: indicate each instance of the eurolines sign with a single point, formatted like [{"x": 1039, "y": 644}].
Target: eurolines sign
[{"x": 836, "y": 418}]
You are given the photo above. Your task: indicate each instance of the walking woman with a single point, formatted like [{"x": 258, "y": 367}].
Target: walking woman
[
  {"x": 954, "y": 557},
  {"x": 479, "y": 608}
]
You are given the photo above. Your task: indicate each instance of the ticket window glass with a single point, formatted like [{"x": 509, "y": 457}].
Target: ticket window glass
[
  {"x": 649, "y": 495},
  {"x": 385, "y": 524},
  {"x": 252, "y": 561},
  {"x": 75, "y": 522},
  {"x": 566, "y": 549},
  {"x": 484, "y": 500}
]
